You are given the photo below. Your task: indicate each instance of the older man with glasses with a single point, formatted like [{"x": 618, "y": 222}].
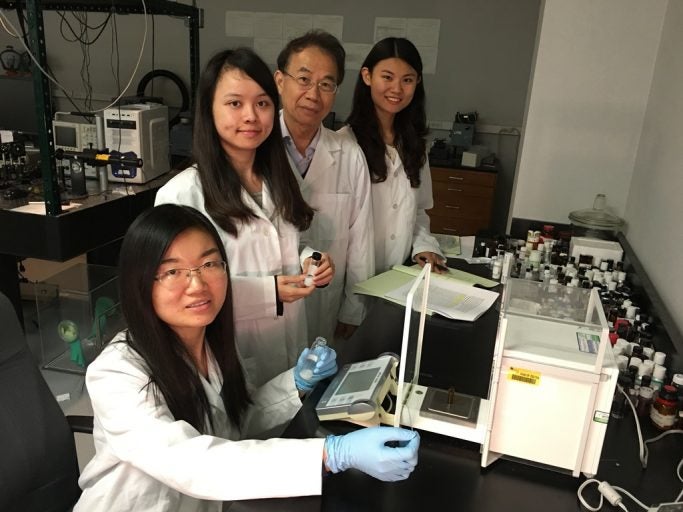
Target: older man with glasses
[{"x": 333, "y": 177}]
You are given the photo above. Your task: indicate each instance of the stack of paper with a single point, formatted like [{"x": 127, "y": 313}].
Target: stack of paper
[{"x": 452, "y": 295}]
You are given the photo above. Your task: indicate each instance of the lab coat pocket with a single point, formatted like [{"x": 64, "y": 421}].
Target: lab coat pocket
[{"x": 331, "y": 221}]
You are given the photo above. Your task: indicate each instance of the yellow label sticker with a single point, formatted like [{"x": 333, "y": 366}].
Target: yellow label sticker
[{"x": 525, "y": 376}]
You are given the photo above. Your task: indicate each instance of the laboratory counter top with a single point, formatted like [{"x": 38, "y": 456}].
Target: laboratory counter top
[{"x": 449, "y": 477}]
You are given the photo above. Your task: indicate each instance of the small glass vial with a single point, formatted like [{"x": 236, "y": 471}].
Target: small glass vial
[
  {"x": 658, "y": 375},
  {"x": 306, "y": 371},
  {"x": 497, "y": 268},
  {"x": 312, "y": 268},
  {"x": 619, "y": 399},
  {"x": 645, "y": 394},
  {"x": 663, "y": 413}
]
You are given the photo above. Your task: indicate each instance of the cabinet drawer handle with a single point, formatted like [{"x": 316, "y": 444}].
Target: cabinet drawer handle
[
  {"x": 456, "y": 178},
  {"x": 454, "y": 189},
  {"x": 451, "y": 230},
  {"x": 452, "y": 207}
]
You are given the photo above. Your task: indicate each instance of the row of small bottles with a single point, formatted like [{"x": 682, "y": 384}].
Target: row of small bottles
[
  {"x": 642, "y": 369},
  {"x": 663, "y": 404}
]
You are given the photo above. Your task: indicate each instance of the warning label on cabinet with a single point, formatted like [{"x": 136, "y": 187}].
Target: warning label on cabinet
[{"x": 525, "y": 376}]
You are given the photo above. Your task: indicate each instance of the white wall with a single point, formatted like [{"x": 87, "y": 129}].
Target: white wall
[
  {"x": 587, "y": 103},
  {"x": 654, "y": 209}
]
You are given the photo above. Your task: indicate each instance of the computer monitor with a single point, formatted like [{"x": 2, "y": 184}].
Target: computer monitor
[{"x": 411, "y": 345}]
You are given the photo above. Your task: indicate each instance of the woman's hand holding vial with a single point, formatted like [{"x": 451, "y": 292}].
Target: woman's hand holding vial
[
  {"x": 318, "y": 269},
  {"x": 315, "y": 364}
]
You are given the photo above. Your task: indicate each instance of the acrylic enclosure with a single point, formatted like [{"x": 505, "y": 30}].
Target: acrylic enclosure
[
  {"x": 557, "y": 377},
  {"x": 78, "y": 313}
]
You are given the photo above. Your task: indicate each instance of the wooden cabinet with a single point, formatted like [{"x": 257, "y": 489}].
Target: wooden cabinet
[{"x": 463, "y": 200}]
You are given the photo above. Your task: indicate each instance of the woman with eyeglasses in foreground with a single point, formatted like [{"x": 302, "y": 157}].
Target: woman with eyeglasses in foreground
[{"x": 175, "y": 423}]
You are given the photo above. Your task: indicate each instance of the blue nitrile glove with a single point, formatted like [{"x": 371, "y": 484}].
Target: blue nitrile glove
[
  {"x": 366, "y": 450},
  {"x": 326, "y": 366}
]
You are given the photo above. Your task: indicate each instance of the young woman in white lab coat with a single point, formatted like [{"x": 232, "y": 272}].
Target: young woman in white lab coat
[
  {"x": 388, "y": 120},
  {"x": 173, "y": 413},
  {"x": 242, "y": 181}
]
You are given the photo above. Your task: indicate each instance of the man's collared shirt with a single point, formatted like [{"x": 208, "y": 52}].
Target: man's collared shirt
[{"x": 302, "y": 162}]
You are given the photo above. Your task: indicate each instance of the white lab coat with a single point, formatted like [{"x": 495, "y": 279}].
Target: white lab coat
[
  {"x": 398, "y": 211},
  {"x": 264, "y": 247},
  {"x": 145, "y": 460},
  {"x": 337, "y": 186}
]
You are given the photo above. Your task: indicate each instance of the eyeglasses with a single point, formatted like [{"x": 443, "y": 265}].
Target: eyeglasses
[
  {"x": 177, "y": 278},
  {"x": 305, "y": 83}
]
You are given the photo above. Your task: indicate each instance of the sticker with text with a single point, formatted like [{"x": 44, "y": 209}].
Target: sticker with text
[
  {"x": 525, "y": 376},
  {"x": 588, "y": 342},
  {"x": 601, "y": 417}
]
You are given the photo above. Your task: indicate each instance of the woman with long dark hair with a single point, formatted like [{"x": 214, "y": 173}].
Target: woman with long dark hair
[
  {"x": 389, "y": 123},
  {"x": 242, "y": 181},
  {"x": 173, "y": 414}
]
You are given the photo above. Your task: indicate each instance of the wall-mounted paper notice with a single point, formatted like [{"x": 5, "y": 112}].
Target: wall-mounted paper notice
[
  {"x": 355, "y": 54},
  {"x": 423, "y": 31},
  {"x": 239, "y": 24},
  {"x": 268, "y": 24},
  {"x": 332, "y": 24},
  {"x": 296, "y": 25},
  {"x": 428, "y": 54},
  {"x": 389, "y": 27}
]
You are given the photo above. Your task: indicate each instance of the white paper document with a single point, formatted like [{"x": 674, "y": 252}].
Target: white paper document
[{"x": 451, "y": 299}]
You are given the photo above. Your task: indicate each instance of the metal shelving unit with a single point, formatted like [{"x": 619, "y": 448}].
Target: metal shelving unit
[
  {"x": 59, "y": 235},
  {"x": 34, "y": 12}
]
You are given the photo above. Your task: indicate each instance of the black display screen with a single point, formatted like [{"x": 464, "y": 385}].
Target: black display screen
[
  {"x": 358, "y": 381},
  {"x": 65, "y": 136}
]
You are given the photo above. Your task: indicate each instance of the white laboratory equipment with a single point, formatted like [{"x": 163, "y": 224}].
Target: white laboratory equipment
[{"x": 553, "y": 387}]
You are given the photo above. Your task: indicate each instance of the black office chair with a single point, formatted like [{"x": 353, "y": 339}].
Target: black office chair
[{"x": 38, "y": 464}]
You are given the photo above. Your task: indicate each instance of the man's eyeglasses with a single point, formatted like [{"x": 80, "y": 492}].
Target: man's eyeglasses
[
  {"x": 305, "y": 83},
  {"x": 177, "y": 278}
]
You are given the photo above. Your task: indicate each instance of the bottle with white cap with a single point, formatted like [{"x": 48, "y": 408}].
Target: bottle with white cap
[
  {"x": 658, "y": 376},
  {"x": 677, "y": 382},
  {"x": 659, "y": 358}
]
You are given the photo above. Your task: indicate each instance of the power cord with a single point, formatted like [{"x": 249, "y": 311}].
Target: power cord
[{"x": 609, "y": 492}]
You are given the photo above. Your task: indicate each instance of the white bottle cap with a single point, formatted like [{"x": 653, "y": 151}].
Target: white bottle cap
[
  {"x": 589, "y": 274},
  {"x": 635, "y": 361},
  {"x": 648, "y": 351},
  {"x": 622, "y": 361},
  {"x": 627, "y": 303},
  {"x": 649, "y": 367},
  {"x": 608, "y": 277},
  {"x": 612, "y": 286},
  {"x": 631, "y": 312},
  {"x": 603, "y": 265},
  {"x": 646, "y": 392},
  {"x": 677, "y": 379},
  {"x": 659, "y": 358},
  {"x": 621, "y": 276},
  {"x": 659, "y": 372}
]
